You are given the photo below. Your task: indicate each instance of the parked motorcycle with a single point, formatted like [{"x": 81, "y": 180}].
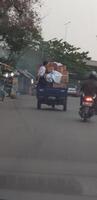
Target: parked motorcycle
[{"x": 87, "y": 109}]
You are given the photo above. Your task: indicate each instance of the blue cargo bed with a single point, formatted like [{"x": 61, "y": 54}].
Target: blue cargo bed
[{"x": 51, "y": 96}]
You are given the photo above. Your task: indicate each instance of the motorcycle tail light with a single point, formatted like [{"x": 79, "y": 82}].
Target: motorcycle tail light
[{"x": 88, "y": 99}]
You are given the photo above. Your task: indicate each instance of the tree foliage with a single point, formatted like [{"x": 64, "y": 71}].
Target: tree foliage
[
  {"x": 60, "y": 51},
  {"x": 19, "y": 24}
]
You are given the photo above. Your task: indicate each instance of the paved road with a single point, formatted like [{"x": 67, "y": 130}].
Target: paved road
[{"x": 47, "y": 151}]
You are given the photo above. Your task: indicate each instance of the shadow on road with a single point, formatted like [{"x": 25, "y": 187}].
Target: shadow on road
[{"x": 50, "y": 109}]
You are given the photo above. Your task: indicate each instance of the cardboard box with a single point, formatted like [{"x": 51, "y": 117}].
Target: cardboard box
[
  {"x": 60, "y": 68},
  {"x": 53, "y": 66},
  {"x": 50, "y": 67},
  {"x": 64, "y": 79}
]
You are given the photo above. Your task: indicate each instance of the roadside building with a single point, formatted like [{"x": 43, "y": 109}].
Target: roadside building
[{"x": 24, "y": 81}]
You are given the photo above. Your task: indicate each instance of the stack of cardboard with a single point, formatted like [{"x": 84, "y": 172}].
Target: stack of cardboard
[
  {"x": 60, "y": 68},
  {"x": 50, "y": 67}
]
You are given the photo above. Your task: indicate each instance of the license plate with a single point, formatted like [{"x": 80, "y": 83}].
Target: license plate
[
  {"x": 52, "y": 98},
  {"x": 87, "y": 104}
]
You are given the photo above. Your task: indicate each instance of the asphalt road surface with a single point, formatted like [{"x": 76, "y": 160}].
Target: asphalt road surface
[{"x": 47, "y": 153}]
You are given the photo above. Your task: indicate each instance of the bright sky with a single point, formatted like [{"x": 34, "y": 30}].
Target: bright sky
[{"x": 82, "y": 29}]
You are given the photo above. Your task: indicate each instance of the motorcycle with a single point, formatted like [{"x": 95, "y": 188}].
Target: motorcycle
[{"x": 87, "y": 109}]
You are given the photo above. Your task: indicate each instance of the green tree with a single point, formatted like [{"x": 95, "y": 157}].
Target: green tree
[
  {"x": 60, "y": 51},
  {"x": 19, "y": 26}
]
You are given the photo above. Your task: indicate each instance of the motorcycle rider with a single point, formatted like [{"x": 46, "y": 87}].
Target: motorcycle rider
[{"x": 89, "y": 87}]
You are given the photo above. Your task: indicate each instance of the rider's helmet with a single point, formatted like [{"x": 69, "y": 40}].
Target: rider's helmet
[{"x": 93, "y": 75}]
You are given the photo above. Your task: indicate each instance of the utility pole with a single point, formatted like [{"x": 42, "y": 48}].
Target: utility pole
[{"x": 66, "y": 29}]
